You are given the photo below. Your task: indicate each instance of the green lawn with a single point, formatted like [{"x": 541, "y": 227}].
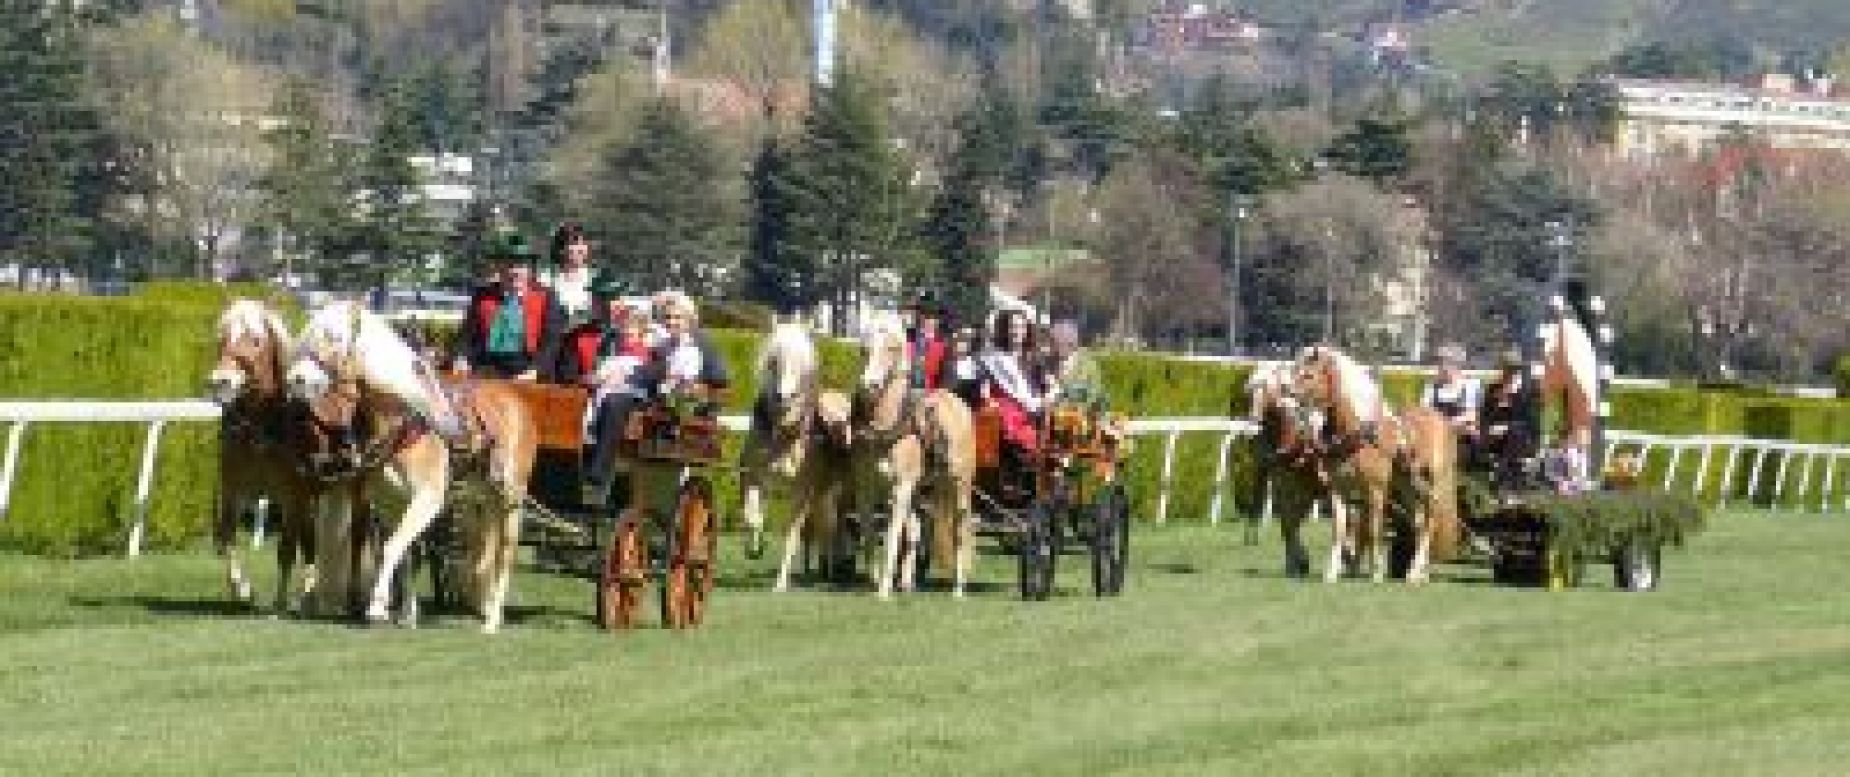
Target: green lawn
[{"x": 1211, "y": 664}]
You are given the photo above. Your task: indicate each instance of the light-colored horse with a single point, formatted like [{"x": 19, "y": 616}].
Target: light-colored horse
[
  {"x": 1370, "y": 452},
  {"x": 262, "y": 439},
  {"x": 903, "y": 441},
  {"x": 348, "y": 353},
  {"x": 819, "y": 487},
  {"x": 782, "y": 421},
  {"x": 1289, "y": 465}
]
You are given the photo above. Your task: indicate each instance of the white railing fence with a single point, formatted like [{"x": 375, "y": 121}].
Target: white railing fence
[{"x": 1794, "y": 460}]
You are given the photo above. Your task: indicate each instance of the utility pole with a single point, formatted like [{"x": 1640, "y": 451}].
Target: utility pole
[{"x": 1237, "y": 207}]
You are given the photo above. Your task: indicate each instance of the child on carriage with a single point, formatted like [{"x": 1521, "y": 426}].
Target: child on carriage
[{"x": 681, "y": 362}]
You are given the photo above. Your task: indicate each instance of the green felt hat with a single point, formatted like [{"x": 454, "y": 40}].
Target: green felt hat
[{"x": 510, "y": 247}]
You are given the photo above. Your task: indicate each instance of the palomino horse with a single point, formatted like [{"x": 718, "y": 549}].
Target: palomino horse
[
  {"x": 1570, "y": 371},
  {"x": 1289, "y": 464},
  {"x": 1374, "y": 452},
  {"x": 262, "y": 439},
  {"x": 819, "y": 486},
  {"x": 351, "y": 357},
  {"x": 782, "y": 421},
  {"x": 901, "y": 442}
]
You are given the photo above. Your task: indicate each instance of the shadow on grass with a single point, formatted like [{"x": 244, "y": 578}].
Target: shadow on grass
[{"x": 169, "y": 606}]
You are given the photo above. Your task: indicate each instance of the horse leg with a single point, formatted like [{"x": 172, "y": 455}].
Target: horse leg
[
  {"x": 895, "y": 528},
  {"x": 793, "y": 537},
  {"x": 426, "y": 501},
  {"x": 1341, "y": 526},
  {"x": 909, "y": 553},
  {"x": 753, "y": 509},
  {"x": 506, "y": 546},
  {"x": 1374, "y": 545},
  {"x": 225, "y": 538}
]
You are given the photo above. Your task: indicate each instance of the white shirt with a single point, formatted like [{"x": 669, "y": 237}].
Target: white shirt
[{"x": 572, "y": 287}]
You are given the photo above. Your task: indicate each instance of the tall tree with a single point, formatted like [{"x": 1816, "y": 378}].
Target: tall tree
[
  {"x": 306, "y": 189},
  {"x": 661, "y": 212},
  {"x": 396, "y": 231},
  {"x": 1376, "y": 148},
  {"x": 772, "y": 275},
  {"x": 49, "y": 136},
  {"x": 849, "y": 191}
]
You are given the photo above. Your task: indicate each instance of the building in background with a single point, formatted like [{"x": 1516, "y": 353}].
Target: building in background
[{"x": 1659, "y": 117}]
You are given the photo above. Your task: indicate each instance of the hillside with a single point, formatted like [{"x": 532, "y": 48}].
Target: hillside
[{"x": 1473, "y": 36}]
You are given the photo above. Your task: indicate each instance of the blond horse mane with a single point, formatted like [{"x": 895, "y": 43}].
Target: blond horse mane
[
  {"x": 790, "y": 351},
  {"x": 1357, "y": 392},
  {"x": 1571, "y": 364}
]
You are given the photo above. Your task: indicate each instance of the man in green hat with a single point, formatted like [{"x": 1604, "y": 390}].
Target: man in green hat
[{"x": 513, "y": 324}]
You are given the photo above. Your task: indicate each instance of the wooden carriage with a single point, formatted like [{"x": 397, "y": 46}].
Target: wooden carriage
[
  {"x": 1069, "y": 487},
  {"x": 662, "y": 446}
]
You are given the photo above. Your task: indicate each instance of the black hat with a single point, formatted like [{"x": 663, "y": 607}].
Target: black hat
[{"x": 927, "y": 303}]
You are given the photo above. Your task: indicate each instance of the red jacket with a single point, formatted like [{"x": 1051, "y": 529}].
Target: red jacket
[
  {"x": 581, "y": 347},
  {"x": 929, "y": 355},
  {"x": 534, "y": 302}
]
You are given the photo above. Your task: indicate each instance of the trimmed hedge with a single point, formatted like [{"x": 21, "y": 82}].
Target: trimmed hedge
[
  {"x": 76, "y": 484},
  {"x": 157, "y": 346}
]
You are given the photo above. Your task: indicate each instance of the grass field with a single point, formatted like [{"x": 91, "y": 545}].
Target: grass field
[{"x": 1211, "y": 664}]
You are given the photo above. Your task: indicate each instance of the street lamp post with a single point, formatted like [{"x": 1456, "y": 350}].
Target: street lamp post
[
  {"x": 1329, "y": 284},
  {"x": 1238, "y": 204},
  {"x": 1561, "y": 239}
]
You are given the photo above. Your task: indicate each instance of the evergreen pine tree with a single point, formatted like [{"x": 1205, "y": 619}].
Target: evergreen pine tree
[
  {"x": 305, "y": 190},
  {"x": 1376, "y": 149},
  {"x": 396, "y": 230},
  {"x": 771, "y": 274},
  {"x": 851, "y": 208},
  {"x": 50, "y": 139},
  {"x": 662, "y": 216}
]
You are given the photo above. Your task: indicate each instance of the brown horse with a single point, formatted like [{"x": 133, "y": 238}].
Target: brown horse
[
  {"x": 263, "y": 437},
  {"x": 352, "y": 358},
  {"x": 1370, "y": 452},
  {"x": 1289, "y": 464}
]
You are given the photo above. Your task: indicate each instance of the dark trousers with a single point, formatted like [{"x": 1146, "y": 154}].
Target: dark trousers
[
  {"x": 607, "y": 433},
  {"x": 502, "y": 365}
]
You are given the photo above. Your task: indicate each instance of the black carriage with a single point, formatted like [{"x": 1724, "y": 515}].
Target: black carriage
[
  {"x": 1069, "y": 491},
  {"x": 1541, "y": 523}
]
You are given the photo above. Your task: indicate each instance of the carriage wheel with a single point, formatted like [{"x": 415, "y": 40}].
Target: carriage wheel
[
  {"x": 691, "y": 557},
  {"x": 1040, "y": 548},
  {"x": 626, "y": 572},
  {"x": 1111, "y": 534},
  {"x": 1637, "y": 567}
]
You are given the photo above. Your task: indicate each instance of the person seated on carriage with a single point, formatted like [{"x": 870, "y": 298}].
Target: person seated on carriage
[
  {"x": 925, "y": 341},
  {"x": 1454, "y": 394},
  {"x": 570, "y": 275},
  {"x": 965, "y": 378},
  {"x": 681, "y": 362},
  {"x": 604, "y": 349},
  {"x": 1511, "y": 419},
  {"x": 1074, "y": 374},
  {"x": 1015, "y": 384},
  {"x": 513, "y": 325}
]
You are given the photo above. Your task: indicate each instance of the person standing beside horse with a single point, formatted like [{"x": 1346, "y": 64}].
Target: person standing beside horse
[{"x": 513, "y": 324}]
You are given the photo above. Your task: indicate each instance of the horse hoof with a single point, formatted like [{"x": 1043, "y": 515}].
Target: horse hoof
[{"x": 491, "y": 628}]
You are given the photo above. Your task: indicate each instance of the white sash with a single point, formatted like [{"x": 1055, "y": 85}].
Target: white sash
[{"x": 1005, "y": 369}]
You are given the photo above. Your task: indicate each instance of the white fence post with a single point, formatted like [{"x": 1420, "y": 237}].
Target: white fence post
[
  {"x": 1753, "y": 473},
  {"x": 1702, "y": 468},
  {"x": 1727, "y": 491},
  {"x": 1779, "y": 481},
  {"x": 10, "y": 468},
  {"x": 144, "y": 488},
  {"x": 1169, "y": 466},
  {"x": 1670, "y": 472},
  {"x": 1220, "y": 479},
  {"x": 1824, "y": 489}
]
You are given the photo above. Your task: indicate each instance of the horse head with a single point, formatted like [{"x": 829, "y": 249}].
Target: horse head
[
  {"x": 787, "y": 375},
  {"x": 1328, "y": 380},
  {"x": 346, "y": 345},
  {"x": 883, "y": 340},
  {"x": 251, "y": 343}
]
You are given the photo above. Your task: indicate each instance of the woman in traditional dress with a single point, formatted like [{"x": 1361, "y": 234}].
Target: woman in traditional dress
[
  {"x": 1015, "y": 384},
  {"x": 571, "y": 276}
]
